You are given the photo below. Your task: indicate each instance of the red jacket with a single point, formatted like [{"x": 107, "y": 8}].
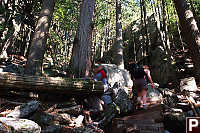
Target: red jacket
[{"x": 103, "y": 73}]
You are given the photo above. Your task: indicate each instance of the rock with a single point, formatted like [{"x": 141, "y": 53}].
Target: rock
[
  {"x": 161, "y": 70},
  {"x": 122, "y": 100},
  {"x": 24, "y": 110},
  {"x": 43, "y": 118},
  {"x": 20, "y": 125},
  {"x": 111, "y": 110},
  {"x": 79, "y": 120},
  {"x": 87, "y": 129},
  {"x": 52, "y": 129},
  {"x": 120, "y": 104},
  {"x": 153, "y": 94},
  {"x": 14, "y": 68},
  {"x": 121, "y": 76},
  {"x": 188, "y": 84},
  {"x": 1, "y": 70},
  {"x": 94, "y": 103}
]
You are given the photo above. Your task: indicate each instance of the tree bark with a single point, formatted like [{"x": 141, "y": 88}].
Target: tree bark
[
  {"x": 118, "y": 59},
  {"x": 81, "y": 62},
  {"x": 190, "y": 33},
  {"x": 37, "y": 49}
]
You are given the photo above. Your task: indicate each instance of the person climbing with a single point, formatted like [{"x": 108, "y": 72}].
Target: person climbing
[
  {"x": 109, "y": 107},
  {"x": 132, "y": 67},
  {"x": 140, "y": 77},
  {"x": 100, "y": 75}
]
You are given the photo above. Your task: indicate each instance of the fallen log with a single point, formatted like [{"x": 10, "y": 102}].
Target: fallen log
[
  {"x": 10, "y": 82},
  {"x": 71, "y": 110}
]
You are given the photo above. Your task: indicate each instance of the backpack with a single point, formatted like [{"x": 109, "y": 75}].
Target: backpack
[{"x": 132, "y": 68}]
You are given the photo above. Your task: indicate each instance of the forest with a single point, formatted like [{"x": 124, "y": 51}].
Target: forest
[{"x": 50, "y": 50}]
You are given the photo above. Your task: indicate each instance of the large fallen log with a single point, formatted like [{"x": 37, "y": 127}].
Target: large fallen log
[{"x": 12, "y": 82}]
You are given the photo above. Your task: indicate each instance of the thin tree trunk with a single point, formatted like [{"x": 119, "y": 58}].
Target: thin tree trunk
[
  {"x": 142, "y": 27},
  {"x": 147, "y": 42},
  {"x": 194, "y": 12},
  {"x": 190, "y": 33},
  {"x": 81, "y": 58},
  {"x": 118, "y": 59},
  {"x": 167, "y": 43},
  {"x": 37, "y": 49},
  {"x": 179, "y": 33}
]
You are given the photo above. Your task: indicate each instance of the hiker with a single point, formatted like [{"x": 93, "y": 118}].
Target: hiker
[
  {"x": 132, "y": 67},
  {"x": 100, "y": 75},
  {"x": 140, "y": 77}
]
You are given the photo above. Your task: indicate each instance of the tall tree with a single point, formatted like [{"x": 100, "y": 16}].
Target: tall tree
[
  {"x": 37, "y": 49},
  {"x": 166, "y": 37},
  {"x": 81, "y": 62},
  {"x": 190, "y": 32},
  {"x": 118, "y": 59}
]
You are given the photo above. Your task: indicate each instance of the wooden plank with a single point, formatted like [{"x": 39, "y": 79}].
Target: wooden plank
[
  {"x": 10, "y": 82},
  {"x": 146, "y": 121}
]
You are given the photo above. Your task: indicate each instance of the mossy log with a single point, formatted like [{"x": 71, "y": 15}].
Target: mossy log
[{"x": 12, "y": 82}]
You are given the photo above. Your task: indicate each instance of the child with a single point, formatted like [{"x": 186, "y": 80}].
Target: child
[{"x": 100, "y": 75}]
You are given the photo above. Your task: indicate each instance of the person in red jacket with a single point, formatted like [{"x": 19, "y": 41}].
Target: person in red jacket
[{"x": 100, "y": 75}]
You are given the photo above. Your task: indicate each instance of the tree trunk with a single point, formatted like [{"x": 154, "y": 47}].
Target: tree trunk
[
  {"x": 190, "y": 32},
  {"x": 81, "y": 62},
  {"x": 37, "y": 49},
  {"x": 166, "y": 37},
  {"x": 118, "y": 59},
  {"x": 147, "y": 41},
  {"x": 194, "y": 12},
  {"x": 142, "y": 27}
]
